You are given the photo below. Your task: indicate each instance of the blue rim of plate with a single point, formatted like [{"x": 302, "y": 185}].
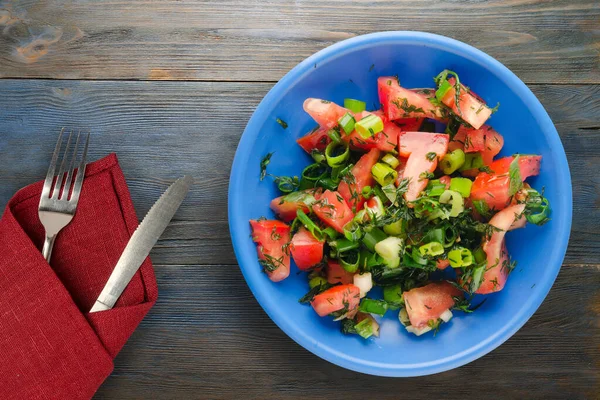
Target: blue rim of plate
[{"x": 241, "y": 160}]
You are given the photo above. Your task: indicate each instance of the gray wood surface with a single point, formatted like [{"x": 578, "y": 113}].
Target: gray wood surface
[
  {"x": 153, "y": 80},
  {"x": 254, "y": 40}
]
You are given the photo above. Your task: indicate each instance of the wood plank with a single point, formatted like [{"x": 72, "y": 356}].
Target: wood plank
[
  {"x": 225, "y": 345},
  {"x": 188, "y": 126},
  {"x": 253, "y": 40}
]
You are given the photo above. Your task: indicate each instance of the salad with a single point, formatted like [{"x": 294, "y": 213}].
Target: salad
[{"x": 410, "y": 198}]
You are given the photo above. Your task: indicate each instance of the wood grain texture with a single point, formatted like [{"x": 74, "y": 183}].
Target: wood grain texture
[
  {"x": 162, "y": 130},
  {"x": 185, "y": 349},
  {"x": 255, "y": 40}
]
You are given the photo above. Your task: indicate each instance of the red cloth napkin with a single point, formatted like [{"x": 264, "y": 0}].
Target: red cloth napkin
[{"x": 50, "y": 346}]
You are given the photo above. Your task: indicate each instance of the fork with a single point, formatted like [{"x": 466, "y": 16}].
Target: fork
[{"x": 57, "y": 208}]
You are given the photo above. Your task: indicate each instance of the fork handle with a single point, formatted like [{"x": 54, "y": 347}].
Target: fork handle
[{"x": 48, "y": 245}]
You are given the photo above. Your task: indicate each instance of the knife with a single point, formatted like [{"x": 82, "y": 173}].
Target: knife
[{"x": 143, "y": 239}]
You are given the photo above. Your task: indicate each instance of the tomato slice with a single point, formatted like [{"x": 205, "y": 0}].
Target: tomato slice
[
  {"x": 332, "y": 209},
  {"x": 361, "y": 172},
  {"x": 272, "y": 239},
  {"x": 442, "y": 263},
  {"x": 529, "y": 165},
  {"x": 338, "y": 298},
  {"x": 325, "y": 113},
  {"x": 470, "y": 106},
  {"x": 399, "y": 102},
  {"x": 306, "y": 250},
  {"x": 337, "y": 274},
  {"x": 286, "y": 206},
  {"x": 446, "y": 180},
  {"x": 315, "y": 140},
  {"x": 484, "y": 140},
  {"x": 493, "y": 189},
  {"x": 496, "y": 271},
  {"x": 429, "y": 302},
  {"x": 458, "y": 141},
  {"x": 409, "y": 124},
  {"x": 417, "y": 146}
]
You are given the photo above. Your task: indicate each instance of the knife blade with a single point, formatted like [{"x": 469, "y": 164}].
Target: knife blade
[{"x": 141, "y": 242}]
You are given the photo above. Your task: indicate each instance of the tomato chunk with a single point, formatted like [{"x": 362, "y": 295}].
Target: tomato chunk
[
  {"x": 417, "y": 146},
  {"x": 338, "y": 298},
  {"x": 315, "y": 140},
  {"x": 429, "y": 302},
  {"x": 470, "y": 106},
  {"x": 385, "y": 140},
  {"x": 272, "y": 239},
  {"x": 399, "y": 102},
  {"x": 332, "y": 209},
  {"x": 306, "y": 250},
  {"x": 484, "y": 140},
  {"x": 497, "y": 269},
  {"x": 325, "y": 113},
  {"x": 529, "y": 165},
  {"x": 286, "y": 206},
  {"x": 361, "y": 172},
  {"x": 337, "y": 274}
]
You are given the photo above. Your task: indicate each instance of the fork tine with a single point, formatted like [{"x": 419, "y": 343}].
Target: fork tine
[
  {"x": 61, "y": 170},
  {"x": 80, "y": 172},
  {"x": 70, "y": 170},
  {"x": 50, "y": 174}
]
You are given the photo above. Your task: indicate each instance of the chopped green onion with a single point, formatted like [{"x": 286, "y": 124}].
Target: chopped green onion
[
  {"x": 353, "y": 231},
  {"x": 367, "y": 192},
  {"x": 314, "y": 172},
  {"x": 435, "y": 188},
  {"x": 389, "y": 249},
  {"x": 450, "y": 236},
  {"x": 369, "y": 126},
  {"x": 347, "y": 122},
  {"x": 460, "y": 257},
  {"x": 327, "y": 183},
  {"x": 454, "y": 198},
  {"x": 442, "y": 89},
  {"x": 334, "y": 135},
  {"x": 452, "y": 161},
  {"x": 365, "y": 328},
  {"x": 368, "y": 260},
  {"x": 395, "y": 228},
  {"x": 431, "y": 249},
  {"x": 343, "y": 245},
  {"x": 355, "y": 106},
  {"x": 317, "y": 281},
  {"x": 349, "y": 260},
  {"x": 393, "y": 296},
  {"x": 461, "y": 185},
  {"x": 479, "y": 255},
  {"x": 472, "y": 161},
  {"x": 476, "y": 278},
  {"x": 309, "y": 224},
  {"x": 372, "y": 237},
  {"x": 372, "y": 306},
  {"x": 330, "y": 233},
  {"x": 391, "y": 161},
  {"x": 318, "y": 156},
  {"x": 384, "y": 174},
  {"x": 287, "y": 184},
  {"x": 337, "y": 154}
]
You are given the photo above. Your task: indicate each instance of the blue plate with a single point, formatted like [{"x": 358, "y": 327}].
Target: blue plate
[{"x": 350, "y": 69}]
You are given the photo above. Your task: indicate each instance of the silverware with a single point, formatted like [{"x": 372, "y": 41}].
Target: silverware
[
  {"x": 57, "y": 209},
  {"x": 141, "y": 242}
]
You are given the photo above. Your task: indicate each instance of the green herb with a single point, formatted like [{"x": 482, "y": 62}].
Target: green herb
[
  {"x": 431, "y": 155},
  {"x": 514, "y": 173},
  {"x": 263, "y": 165},
  {"x": 281, "y": 122}
]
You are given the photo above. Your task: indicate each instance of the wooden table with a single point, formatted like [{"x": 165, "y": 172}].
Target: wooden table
[{"x": 169, "y": 85}]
